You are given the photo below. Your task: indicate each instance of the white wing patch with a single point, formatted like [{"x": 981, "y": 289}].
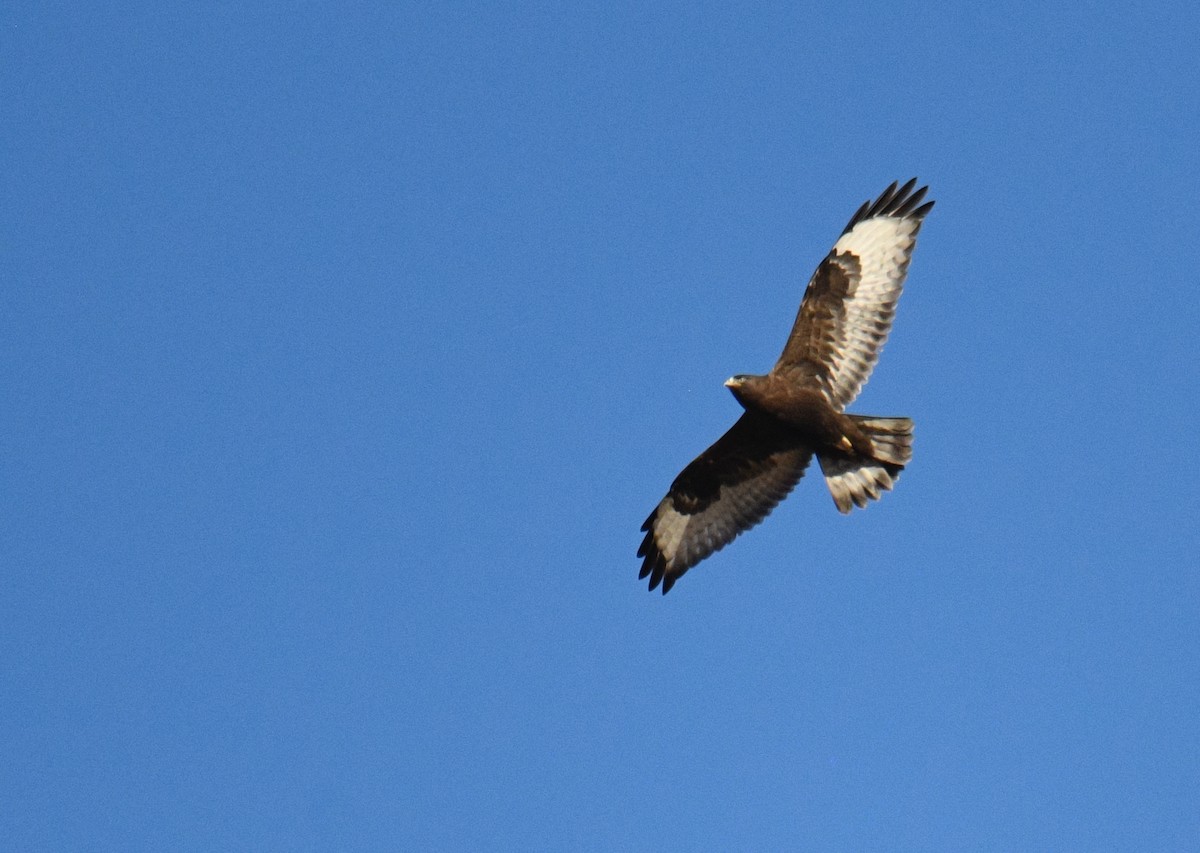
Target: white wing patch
[
  {"x": 883, "y": 247},
  {"x": 688, "y": 539},
  {"x": 676, "y": 541}
]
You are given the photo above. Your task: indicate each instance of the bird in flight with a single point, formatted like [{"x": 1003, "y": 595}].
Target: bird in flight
[{"x": 798, "y": 409}]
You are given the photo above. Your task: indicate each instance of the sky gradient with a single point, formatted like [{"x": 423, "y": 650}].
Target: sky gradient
[{"x": 345, "y": 349}]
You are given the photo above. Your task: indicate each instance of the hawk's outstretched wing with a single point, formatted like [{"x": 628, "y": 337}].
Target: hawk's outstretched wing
[
  {"x": 725, "y": 491},
  {"x": 847, "y": 309}
]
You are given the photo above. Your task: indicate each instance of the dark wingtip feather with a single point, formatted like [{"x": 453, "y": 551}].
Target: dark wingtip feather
[
  {"x": 887, "y": 195},
  {"x": 655, "y": 566},
  {"x": 898, "y": 201},
  {"x": 647, "y": 544},
  {"x": 911, "y": 202},
  {"x": 882, "y": 203},
  {"x": 858, "y": 215},
  {"x": 657, "y": 570},
  {"x": 654, "y": 563}
]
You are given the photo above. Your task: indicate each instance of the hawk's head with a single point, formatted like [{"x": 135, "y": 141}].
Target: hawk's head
[{"x": 745, "y": 387}]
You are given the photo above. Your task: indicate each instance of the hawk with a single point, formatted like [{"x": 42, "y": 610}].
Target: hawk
[{"x": 798, "y": 409}]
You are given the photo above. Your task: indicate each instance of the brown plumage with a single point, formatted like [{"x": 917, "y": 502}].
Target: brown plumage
[{"x": 797, "y": 410}]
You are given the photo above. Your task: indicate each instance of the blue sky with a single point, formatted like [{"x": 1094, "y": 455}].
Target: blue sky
[{"x": 345, "y": 348}]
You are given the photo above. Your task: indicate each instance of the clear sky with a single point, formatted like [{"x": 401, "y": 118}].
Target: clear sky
[{"x": 344, "y": 348}]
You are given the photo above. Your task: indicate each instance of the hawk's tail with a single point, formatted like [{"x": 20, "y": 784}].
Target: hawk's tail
[{"x": 857, "y": 480}]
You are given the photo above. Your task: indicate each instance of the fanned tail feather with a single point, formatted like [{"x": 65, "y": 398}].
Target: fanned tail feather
[
  {"x": 892, "y": 437},
  {"x": 856, "y": 480}
]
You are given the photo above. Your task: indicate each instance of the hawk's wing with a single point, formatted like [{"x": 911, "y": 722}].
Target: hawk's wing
[
  {"x": 847, "y": 309},
  {"x": 725, "y": 491}
]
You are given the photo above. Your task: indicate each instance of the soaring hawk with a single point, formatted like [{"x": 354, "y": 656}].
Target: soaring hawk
[{"x": 797, "y": 409}]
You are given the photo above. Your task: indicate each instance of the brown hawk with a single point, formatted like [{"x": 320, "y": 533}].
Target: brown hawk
[{"x": 797, "y": 409}]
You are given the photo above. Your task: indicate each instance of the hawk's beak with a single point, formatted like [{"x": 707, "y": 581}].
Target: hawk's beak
[{"x": 732, "y": 382}]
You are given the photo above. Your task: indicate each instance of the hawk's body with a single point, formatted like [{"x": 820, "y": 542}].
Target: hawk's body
[{"x": 797, "y": 410}]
